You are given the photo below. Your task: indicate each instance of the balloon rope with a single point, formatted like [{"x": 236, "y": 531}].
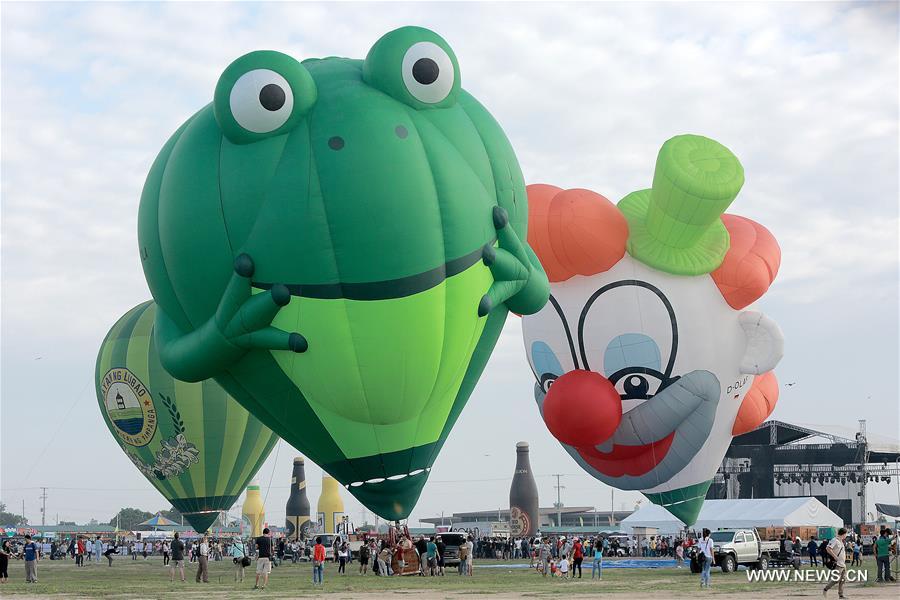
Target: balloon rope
[
  {"x": 54, "y": 437},
  {"x": 274, "y": 464}
]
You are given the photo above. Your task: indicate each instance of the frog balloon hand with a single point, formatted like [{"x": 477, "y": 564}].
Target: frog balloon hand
[
  {"x": 242, "y": 322},
  {"x": 519, "y": 279}
]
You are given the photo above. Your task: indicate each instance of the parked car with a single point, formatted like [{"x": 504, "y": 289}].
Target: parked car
[
  {"x": 452, "y": 542},
  {"x": 733, "y": 547}
]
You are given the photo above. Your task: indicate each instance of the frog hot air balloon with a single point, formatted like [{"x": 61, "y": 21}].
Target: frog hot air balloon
[
  {"x": 649, "y": 356},
  {"x": 338, "y": 242},
  {"x": 192, "y": 441}
]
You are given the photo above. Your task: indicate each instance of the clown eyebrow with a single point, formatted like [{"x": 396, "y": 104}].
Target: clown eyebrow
[
  {"x": 565, "y": 323},
  {"x": 670, "y": 365}
]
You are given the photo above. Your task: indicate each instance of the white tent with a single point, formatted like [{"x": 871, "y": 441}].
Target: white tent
[{"x": 721, "y": 514}]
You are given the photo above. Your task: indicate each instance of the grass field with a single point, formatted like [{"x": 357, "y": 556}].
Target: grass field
[{"x": 129, "y": 579}]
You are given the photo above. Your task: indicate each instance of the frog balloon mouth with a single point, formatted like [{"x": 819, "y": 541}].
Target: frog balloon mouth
[
  {"x": 656, "y": 439},
  {"x": 382, "y": 290}
]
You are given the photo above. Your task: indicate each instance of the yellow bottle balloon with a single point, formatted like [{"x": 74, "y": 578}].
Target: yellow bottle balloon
[
  {"x": 254, "y": 510},
  {"x": 331, "y": 507}
]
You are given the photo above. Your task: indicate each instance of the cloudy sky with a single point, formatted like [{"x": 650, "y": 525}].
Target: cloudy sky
[{"x": 805, "y": 94}]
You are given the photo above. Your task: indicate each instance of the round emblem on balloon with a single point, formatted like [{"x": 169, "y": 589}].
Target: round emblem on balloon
[
  {"x": 129, "y": 406},
  {"x": 518, "y": 521}
]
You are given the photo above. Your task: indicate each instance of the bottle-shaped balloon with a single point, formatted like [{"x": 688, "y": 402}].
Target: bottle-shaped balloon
[
  {"x": 254, "y": 509},
  {"x": 297, "y": 509},
  {"x": 331, "y": 507},
  {"x": 524, "y": 515}
]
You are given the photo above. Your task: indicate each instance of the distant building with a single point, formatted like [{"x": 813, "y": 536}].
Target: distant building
[
  {"x": 781, "y": 460},
  {"x": 580, "y": 519}
]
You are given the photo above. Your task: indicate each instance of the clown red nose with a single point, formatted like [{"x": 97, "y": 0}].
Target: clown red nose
[{"x": 582, "y": 409}]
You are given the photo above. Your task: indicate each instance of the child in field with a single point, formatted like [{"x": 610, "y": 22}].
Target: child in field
[
  {"x": 564, "y": 567},
  {"x": 553, "y": 571}
]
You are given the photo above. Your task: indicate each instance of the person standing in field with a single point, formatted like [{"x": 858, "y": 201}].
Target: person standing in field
[
  {"x": 838, "y": 552},
  {"x": 857, "y": 551},
  {"x": 31, "y": 555},
  {"x": 812, "y": 549},
  {"x": 597, "y": 554},
  {"x": 883, "y": 555},
  {"x": 343, "y": 552},
  {"x": 544, "y": 553},
  {"x": 463, "y": 558},
  {"x": 441, "y": 549},
  {"x": 5, "y": 553},
  {"x": 203, "y": 560},
  {"x": 79, "y": 552},
  {"x": 705, "y": 548},
  {"x": 318, "y": 562},
  {"x": 263, "y": 558},
  {"x": 364, "y": 556},
  {"x": 177, "y": 561},
  {"x": 577, "y": 557},
  {"x": 238, "y": 555}
]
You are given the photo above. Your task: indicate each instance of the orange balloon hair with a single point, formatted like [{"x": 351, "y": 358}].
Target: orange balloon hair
[
  {"x": 758, "y": 404},
  {"x": 751, "y": 264},
  {"x": 574, "y": 232}
]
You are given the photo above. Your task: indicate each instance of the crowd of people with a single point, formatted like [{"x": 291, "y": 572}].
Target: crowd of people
[{"x": 551, "y": 556}]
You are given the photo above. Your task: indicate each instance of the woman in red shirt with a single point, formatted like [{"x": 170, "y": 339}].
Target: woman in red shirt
[{"x": 577, "y": 557}]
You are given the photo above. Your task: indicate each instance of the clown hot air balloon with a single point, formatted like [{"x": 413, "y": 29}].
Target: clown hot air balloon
[
  {"x": 195, "y": 444},
  {"x": 338, "y": 242},
  {"x": 649, "y": 356}
]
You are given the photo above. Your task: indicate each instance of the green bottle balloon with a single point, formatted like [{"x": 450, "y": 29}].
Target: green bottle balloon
[
  {"x": 338, "y": 243},
  {"x": 192, "y": 441}
]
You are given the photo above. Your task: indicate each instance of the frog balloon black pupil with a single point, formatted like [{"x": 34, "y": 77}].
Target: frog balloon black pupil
[
  {"x": 426, "y": 71},
  {"x": 271, "y": 97}
]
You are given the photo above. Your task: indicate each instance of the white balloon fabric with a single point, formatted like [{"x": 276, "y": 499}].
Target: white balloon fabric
[{"x": 645, "y": 357}]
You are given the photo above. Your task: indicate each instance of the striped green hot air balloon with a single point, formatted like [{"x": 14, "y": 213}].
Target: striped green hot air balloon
[{"x": 194, "y": 442}]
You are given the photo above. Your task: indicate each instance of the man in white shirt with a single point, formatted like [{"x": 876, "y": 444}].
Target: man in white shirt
[
  {"x": 838, "y": 552},
  {"x": 203, "y": 561}
]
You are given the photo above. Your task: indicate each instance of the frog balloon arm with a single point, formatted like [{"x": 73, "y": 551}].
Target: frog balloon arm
[
  {"x": 242, "y": 322},
  {"x": 519, "y": 279}
]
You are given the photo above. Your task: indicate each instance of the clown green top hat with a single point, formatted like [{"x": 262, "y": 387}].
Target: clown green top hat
[{"x": 676, "y": 226}]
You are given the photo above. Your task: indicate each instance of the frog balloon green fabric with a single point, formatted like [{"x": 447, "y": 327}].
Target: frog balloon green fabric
[
  {"x": 338, "y": 242},
  {"x": 192, "y": 441}
]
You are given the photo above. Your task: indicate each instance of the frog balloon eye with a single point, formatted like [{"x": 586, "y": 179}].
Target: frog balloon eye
[
  {"x": 415, "y": 66},
  {"x": 262, "y": 94},
  {"x": 261, "y": 101},
  {"x": 428, "y": 72}
]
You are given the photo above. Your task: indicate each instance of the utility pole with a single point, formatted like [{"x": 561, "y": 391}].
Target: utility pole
[
  {"x": 43, "y": 506},
  {"x": 559, "y": 488},
  {"x": 23, "y": 509},
  {"x": 612, "y": 505}
]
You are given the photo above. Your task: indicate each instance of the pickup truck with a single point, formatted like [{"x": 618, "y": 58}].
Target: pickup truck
[
  {"x": 452, "y": 541},
  {"x": 733, "y": 547}
]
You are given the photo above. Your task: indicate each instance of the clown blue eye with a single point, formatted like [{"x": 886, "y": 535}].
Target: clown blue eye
[
  {"x": 631, "y": 350},
  {"x": 546, "y": 365}
]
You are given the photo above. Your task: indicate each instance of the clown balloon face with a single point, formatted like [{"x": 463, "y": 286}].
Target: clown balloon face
[{"x": 647, "y": 360}]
